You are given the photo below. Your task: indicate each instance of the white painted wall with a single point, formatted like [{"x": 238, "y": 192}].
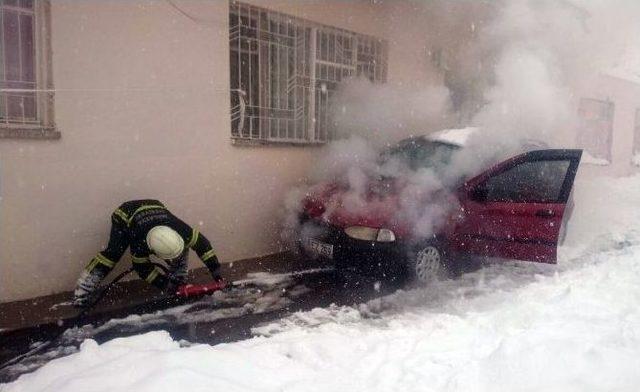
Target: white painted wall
[
  {"x": 625, "y": 95},
  {"x": 142, "y": 103}
]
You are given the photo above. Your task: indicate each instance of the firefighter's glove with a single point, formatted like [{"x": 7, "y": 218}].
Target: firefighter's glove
[
  {"x": 172, "y": 285},
  {"x": 213, "y": 265},
  {"x": 215, "y": 273},
  {"x": 87, "y": 289},
  {"x": 177, "y": 274}
]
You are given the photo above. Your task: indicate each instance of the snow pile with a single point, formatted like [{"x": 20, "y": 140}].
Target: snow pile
[
  {"x": 458, "y": 137},
  {"x": 580, "y": 331},
  {"x": 606, "y": 216},
  {"x": 628, "y": 67},
  {"x": 508, "y": 326},
  {"x": 591, "y": 160}
]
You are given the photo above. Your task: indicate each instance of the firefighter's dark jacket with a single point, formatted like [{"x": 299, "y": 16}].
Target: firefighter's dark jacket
[{"x": 130, "y": 224}]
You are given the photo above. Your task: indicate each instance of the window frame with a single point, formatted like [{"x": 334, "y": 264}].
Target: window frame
[
  {"x": 611, "y": 107},
  {"x": 471, "y": 189},
  {"x": 303, "y": 120},
  {"x": 44, "y": 127},
  {"x": 407, "y": 149},
  {"x": 560, "y": 194}
]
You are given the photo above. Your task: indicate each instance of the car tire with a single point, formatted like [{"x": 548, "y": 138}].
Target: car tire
[{"x": 427, "y": 262}]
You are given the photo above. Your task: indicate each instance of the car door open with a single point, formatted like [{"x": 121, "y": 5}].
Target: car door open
[{"x": 515, "y": 209}]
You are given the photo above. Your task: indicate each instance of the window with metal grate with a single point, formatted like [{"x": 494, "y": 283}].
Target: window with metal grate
[
  {"x": 286, "y": 70},
  {"x": 25, "y": 94}
]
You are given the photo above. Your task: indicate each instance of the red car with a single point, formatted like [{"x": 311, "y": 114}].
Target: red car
[{"x": 513, "y": 210}]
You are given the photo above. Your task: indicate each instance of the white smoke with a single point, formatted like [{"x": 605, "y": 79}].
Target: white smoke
[
  {"x": 543, "y": 53},
  {"x": 522, "y": 76},
  {"x": 368, "y": 179},
  {"x": 384, "y": 113}
]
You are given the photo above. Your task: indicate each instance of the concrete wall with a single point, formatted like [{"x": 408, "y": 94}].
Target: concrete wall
[{"x": 142, "y": 103}]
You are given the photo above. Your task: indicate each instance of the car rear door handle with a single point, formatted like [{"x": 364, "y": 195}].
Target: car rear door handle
[{"x": 545, "y": 213}]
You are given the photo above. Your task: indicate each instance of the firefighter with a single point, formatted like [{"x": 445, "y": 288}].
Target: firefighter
[{"x": 147, "y": 227}]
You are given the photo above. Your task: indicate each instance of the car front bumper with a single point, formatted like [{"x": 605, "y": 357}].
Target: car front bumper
[{"x": 349, "y": 253}]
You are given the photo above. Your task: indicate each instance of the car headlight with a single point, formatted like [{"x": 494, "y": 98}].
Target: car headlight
[
  {"x": 362, "y": 233},
  {"x": 385, "y": 235},
  {"x": 370, "y": 234}
]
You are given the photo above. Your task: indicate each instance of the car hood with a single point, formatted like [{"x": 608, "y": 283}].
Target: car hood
[{"x": 339, "y": 205}]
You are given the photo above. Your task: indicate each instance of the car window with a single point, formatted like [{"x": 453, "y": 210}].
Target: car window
[
  {"x": 418, "y": 153},
  {"x": 532, "y": 181}
]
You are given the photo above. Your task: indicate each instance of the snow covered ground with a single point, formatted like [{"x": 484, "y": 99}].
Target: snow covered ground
[{"x": 509, "y": 326}]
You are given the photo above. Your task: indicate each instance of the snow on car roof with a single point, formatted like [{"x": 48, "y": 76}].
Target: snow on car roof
[
  {"x": 457, "y": 137},
  {"x": 628, "y": 68}
]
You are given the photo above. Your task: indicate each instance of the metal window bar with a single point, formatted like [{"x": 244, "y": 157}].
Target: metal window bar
[
  {"x": 285, "y": 71},
  {"x": 18, "y": 101}
]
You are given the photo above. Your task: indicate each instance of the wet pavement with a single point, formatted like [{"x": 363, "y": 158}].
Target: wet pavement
[{"x": 223, "y": 317}]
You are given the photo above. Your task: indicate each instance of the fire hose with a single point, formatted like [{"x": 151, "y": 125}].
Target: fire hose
[{"x": 184, "y": 291}]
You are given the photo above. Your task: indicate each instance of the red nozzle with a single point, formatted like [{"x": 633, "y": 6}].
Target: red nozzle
[{"x": 193, "y": 290}]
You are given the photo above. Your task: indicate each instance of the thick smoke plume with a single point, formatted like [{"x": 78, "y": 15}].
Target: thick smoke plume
[
  {"x": 385, "y": 113},
  {"x": 520, "y": 76}
]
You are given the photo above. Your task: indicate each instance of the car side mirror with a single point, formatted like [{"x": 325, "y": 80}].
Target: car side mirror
[{"x": 478, "y": 193}]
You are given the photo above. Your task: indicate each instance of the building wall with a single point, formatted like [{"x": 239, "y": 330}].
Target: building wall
[
  {"x": 625, "y": 95},
  {"x": 142, "y": 102}
]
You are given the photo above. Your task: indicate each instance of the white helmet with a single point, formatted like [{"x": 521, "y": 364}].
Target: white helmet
[{"x": 165, "y": 242}]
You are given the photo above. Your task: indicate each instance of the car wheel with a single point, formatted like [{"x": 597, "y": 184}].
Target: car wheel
[{"x": 427, "y": 263}]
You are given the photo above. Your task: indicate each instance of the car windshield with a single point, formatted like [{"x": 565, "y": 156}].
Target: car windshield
[{"x": 420, "y": 153}]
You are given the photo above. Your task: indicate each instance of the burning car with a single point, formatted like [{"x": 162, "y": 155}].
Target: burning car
[{"x": 512, "y": 210}]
